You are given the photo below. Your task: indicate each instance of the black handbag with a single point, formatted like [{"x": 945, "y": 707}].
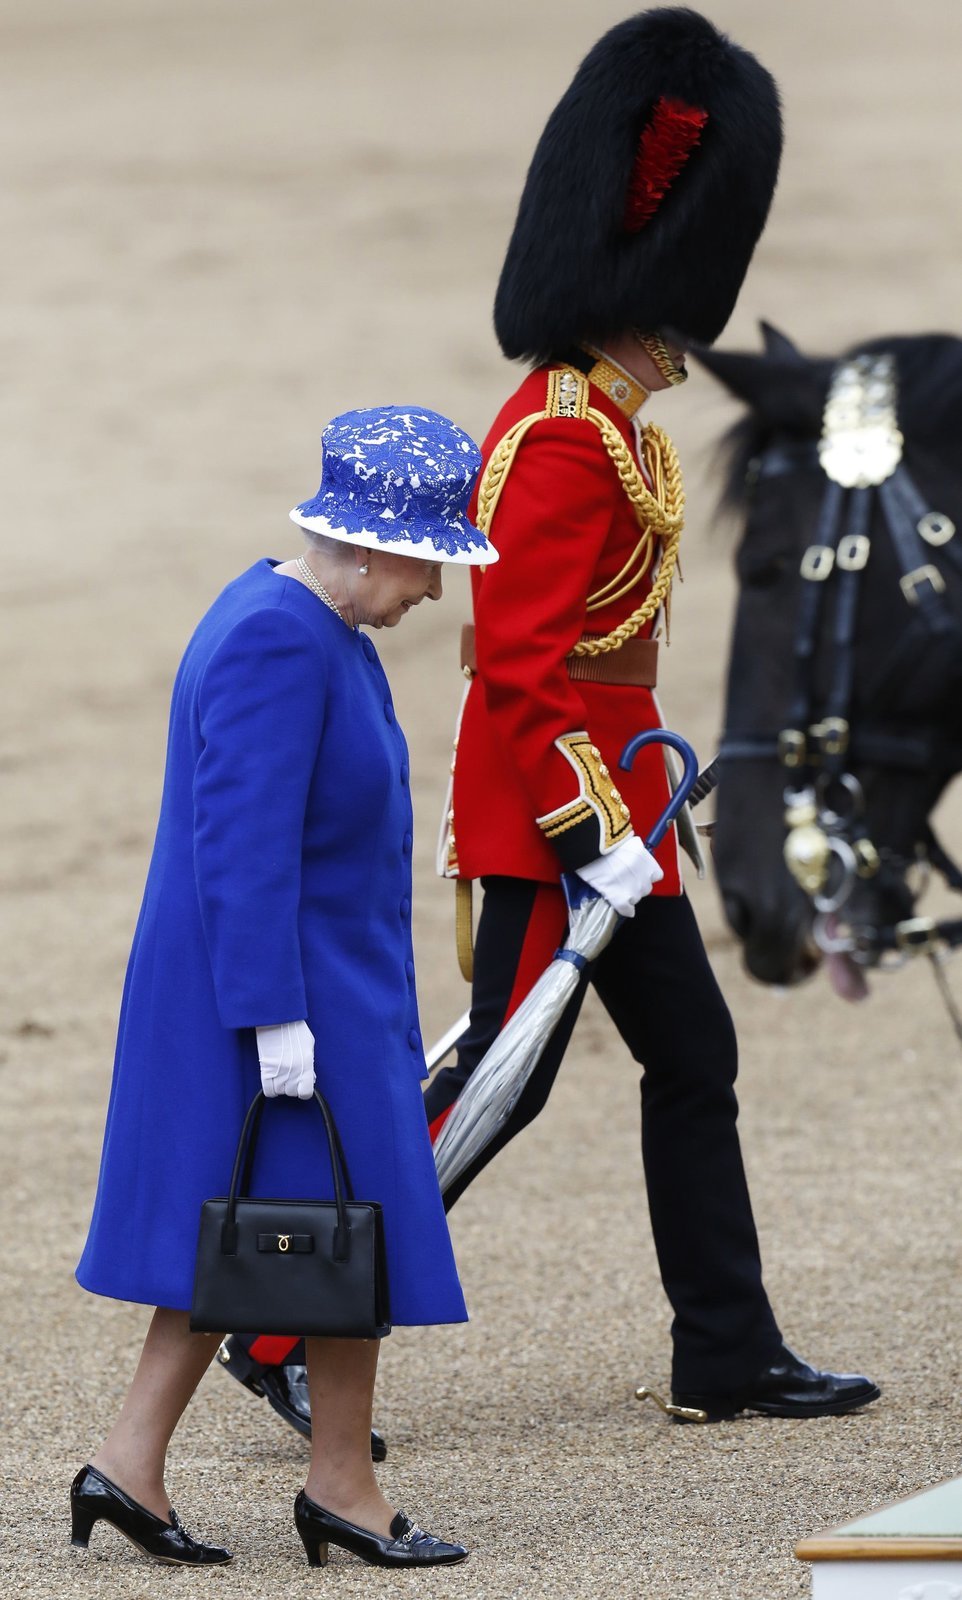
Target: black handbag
[{"x": 291, "y": 1266}]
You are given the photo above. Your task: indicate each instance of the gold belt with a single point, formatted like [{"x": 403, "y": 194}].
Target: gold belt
[{"x": 634, "y": 664}]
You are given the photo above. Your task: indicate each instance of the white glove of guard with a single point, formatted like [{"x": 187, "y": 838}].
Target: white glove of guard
[
  {"x": 286, "y": 1055},
  {"x": 624, "y": 876}
]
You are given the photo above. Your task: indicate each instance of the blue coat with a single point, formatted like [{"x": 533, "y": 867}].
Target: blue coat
[{"x": 279, "y": 888}]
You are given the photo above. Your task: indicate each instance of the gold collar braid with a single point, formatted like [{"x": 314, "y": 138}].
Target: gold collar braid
[{"x": 660, "y": 511}]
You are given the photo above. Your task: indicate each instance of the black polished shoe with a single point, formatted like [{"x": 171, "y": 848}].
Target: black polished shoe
[
  {"x": 788, "y": 1388},
  {"x": 407, "y": 1546},
  {"x": 284, "y": 1388},
  {"x": 93, "y": 1498}
]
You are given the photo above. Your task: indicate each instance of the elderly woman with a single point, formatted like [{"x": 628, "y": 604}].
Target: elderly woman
[{"x": 273, "y": 951}]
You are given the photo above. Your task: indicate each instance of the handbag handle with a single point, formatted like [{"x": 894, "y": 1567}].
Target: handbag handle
[
  {"x": 333, "y": 1138},
  {"x": 243, "y": 1167}
]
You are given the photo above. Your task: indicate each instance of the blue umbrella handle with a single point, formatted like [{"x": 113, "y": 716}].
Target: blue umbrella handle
[{"x": 689, "y": 777}]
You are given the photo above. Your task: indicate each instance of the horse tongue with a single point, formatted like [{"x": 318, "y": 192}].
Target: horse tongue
[{"x": 846, "y": 976}]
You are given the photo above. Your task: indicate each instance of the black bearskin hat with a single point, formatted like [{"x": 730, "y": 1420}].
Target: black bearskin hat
[{"x": 647, "y": 193}]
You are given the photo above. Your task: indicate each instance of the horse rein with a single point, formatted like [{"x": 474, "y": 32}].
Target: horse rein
[{"x": 827, "y": 848}]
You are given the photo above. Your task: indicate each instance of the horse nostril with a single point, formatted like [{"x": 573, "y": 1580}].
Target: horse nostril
[{"x": 737, "y": 913}]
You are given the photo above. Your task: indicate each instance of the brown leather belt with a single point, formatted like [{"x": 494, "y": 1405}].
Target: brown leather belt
[{"x": 634, "y": 664}]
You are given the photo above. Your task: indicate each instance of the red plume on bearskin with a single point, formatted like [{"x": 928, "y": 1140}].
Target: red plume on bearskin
[
  {"x": 666, "y": 143},
  {"x": 647, "y": 192}
]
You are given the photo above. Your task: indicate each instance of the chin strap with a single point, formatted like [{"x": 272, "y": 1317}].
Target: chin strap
[{"x": 655, "y": 347}]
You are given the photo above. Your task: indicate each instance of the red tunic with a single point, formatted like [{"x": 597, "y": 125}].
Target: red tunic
[{"x": 564, "y": 527}]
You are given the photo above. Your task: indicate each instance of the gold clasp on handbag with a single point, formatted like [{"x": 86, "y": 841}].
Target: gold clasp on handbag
[{"x": 283, "y": 1242}]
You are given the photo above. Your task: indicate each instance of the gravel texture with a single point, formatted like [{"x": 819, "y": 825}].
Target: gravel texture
[{"x": 223, "y": 224}]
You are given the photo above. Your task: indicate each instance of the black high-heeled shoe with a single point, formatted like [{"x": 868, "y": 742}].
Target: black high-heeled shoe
[
  {"x": 407, "y": 1546},
  {"x": 93, "y": 1498}
]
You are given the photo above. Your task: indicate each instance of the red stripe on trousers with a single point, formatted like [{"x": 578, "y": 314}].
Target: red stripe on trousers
[{"x": 271, "y": 1350}]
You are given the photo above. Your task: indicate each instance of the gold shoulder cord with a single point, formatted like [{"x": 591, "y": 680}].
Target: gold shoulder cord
[{"x": 660, "y": 513}]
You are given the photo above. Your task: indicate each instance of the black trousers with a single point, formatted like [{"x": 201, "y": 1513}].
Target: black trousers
[{"x": 656, "y": 984}]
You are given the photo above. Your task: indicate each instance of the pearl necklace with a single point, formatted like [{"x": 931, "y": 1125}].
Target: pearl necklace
[{"x": 314, "y": 584}]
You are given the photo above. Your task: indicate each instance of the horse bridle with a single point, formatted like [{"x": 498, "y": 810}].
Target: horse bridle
[{"x": 827, "y": 848}]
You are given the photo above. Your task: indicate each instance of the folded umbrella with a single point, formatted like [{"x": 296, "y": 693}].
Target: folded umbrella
[{"x": 496, "y": 1084}]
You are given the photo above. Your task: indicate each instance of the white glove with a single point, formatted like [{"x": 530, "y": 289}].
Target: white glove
[
  {"x": 624, "y": 876},
  {"x": 286, "y": 1055}
]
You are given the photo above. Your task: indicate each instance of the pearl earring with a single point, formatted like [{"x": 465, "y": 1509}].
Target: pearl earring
[{"x": 363, "y": 570}]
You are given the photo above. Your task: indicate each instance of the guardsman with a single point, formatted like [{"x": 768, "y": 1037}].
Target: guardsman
[{"x": 644, "y": 201}]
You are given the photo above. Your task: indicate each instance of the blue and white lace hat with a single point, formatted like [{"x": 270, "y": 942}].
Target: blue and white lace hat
[{"x": 398, "y": 478}]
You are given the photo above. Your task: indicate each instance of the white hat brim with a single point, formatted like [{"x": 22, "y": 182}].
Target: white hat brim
[{"x": 424, "y": 549}]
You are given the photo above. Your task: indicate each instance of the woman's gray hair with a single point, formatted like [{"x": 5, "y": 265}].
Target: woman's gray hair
[{"x": 334, "y": 549}]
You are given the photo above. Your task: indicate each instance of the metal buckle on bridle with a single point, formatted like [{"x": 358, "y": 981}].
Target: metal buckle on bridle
[
  {"x": 853, "y": 552},
  {"x": 910, "y": 582},
  {"x": 830, "y": 736},
  {"x": 817, "y": 563},
  {"x": 792, "y": 747},
  {"x": 917, "y": 936},
  {"x": 935, "y": 527}
]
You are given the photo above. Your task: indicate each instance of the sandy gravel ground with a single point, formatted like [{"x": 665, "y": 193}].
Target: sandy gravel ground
[{"x": 224, "y": 221}]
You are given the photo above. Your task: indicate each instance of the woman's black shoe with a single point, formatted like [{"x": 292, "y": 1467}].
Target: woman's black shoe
[
  {"x": 407, "y": 1546},
  {"x": 94, "y": 1498}
]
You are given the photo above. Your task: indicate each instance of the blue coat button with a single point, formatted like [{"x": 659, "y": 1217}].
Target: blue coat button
[
  {"x": 404, "y": 776},
  {"x": 388, "y": 711},
  {"x": 369, "y": 649},
  {"x": 414, "y": 1039},
  {"x": 405, "y": 909},
  {"x": 409, "y": 971},
  {"x": 407, "y": 844}
]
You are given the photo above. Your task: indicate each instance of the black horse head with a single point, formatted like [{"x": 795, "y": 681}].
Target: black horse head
[{"x": 902, "y": 680}]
